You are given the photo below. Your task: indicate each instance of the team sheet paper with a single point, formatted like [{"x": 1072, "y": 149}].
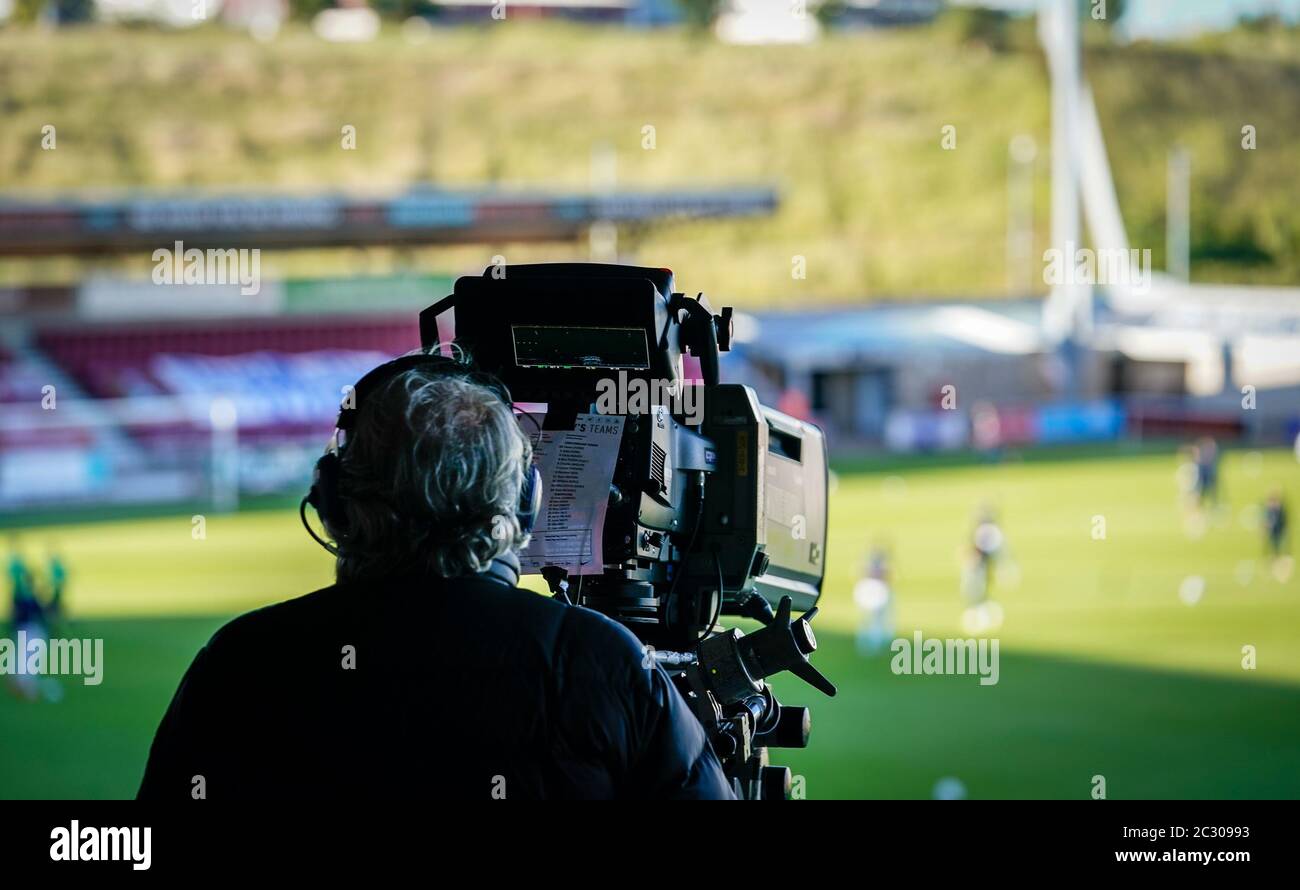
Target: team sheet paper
[{"x": 577, "y": 468}]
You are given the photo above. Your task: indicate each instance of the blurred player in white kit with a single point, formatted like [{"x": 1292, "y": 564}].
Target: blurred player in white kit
[{"x": 874, "y": 597}]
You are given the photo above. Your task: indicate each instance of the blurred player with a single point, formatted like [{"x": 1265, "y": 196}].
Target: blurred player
[
  {"x": 986, "y": 430},
  {"x": 1277, "y": 538},
  {"x": 1206, "y": 457},
  {"x": 57, "y": 578},
  {"x": 1198, "y": 478},
  {"x": 987, "y": 545},
  {"x": 22, "y": 587},
  {"x": 874, "y": 597},
  {"x": 28, "y": 619}
]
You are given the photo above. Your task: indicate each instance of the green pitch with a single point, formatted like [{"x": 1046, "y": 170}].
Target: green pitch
[{"x": 1105, "y": 669}]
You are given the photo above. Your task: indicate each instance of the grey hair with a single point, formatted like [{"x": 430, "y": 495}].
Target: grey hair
[{"x": 430, "y": 479}]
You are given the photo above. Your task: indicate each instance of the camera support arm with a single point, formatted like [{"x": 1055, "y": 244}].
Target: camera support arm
[{"x": 724, "y": 681}]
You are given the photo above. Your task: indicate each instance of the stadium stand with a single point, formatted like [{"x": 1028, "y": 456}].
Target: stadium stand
[
  {"x": 121, "y": 360},
  {"x": 154, "y": 410}
]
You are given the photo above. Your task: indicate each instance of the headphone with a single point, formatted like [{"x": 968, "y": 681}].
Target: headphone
[{"x": 324, "y": 494}]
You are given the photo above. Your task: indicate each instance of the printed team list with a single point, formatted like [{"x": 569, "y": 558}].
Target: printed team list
[{"x": 577, "y": 468}]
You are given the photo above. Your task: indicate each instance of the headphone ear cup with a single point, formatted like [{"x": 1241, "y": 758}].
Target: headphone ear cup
[
  {"x": 324, "y": 494},
  {"x": 530, "y": 499}
]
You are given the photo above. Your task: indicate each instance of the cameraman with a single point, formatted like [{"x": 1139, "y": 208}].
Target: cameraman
[{"x": 424, "y": 671}]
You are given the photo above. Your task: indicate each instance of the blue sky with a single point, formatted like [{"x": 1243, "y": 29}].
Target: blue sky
[
  {"x": 1172, "y": 18},
  {"x": 1160, "y": 18}
]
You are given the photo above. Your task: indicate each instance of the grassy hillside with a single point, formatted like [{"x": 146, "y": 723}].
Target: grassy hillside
[{"x": 849, "y": 130}]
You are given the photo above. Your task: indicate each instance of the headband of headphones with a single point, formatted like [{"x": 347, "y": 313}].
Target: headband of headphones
[{"x": 324, "y": 493}]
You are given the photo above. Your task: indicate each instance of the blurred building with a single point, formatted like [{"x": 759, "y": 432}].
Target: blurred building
[
  {"x": 885, "y": 13},
  {"x": 1217, "y": 360},
  {"x": 261, "y": 17},
  {"x": 739, "y": 21},
  {"x": 625, "y": 12},
  {"x": 859, "y": 367}
]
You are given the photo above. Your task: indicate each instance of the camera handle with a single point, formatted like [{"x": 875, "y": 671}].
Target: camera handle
[{"x": 704, "y": 333}]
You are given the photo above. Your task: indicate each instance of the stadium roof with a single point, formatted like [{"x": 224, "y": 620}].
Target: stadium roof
[
  {"x": 135, "y": 221},
  {"x": 1190, "y": 324},
  {"x": 835, "y": 337}
]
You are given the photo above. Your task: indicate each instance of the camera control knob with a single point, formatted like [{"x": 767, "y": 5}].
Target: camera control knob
[
  {"x": 791, "y": 731},
  {"x": 776, "y": 782}
]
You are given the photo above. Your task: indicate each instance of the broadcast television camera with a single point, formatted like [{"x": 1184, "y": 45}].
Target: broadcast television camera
[{"x": 712, "y": 513}]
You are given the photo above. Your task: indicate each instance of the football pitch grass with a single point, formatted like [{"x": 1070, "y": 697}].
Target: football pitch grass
[{"x": 1105, "y": 670}]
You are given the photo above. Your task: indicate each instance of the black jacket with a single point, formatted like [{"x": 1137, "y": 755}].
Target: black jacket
[{"x": 463, "y": 688}]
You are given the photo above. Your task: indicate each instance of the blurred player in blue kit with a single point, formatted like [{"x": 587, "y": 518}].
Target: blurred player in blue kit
[{"x": 1277, "y": 541}]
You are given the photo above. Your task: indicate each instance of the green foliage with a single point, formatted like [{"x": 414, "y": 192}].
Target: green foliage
[
  {"x": 700, "y": 14},
  {"x": 848, "y": 130},
  {"x": 1113, "y": 11},
  {"x": 399, "y": 10},
  {"x": 828, "y": 11},
  {"x": 74, "y": 11},
  {"x": 305, "y": 10},
  {"x": 28, "y": 11},
  {"x": 1262, "y": 22},
  {"x": 979, "y": 25}
]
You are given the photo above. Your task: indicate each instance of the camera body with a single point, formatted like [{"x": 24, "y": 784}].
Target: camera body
[{"x": 716, "y": 506}]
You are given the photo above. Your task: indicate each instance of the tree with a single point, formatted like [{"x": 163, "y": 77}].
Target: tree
[{"x": 700, "y": 14}]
